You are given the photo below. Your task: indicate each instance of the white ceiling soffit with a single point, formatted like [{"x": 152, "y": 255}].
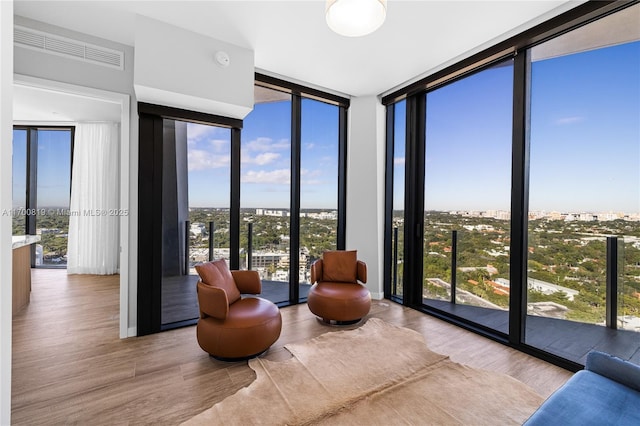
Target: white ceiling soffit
[
  {"x": 618, "y": 28},
  {"x": 36, "y": 105},
  {"x": 263, "y": 95},
  {"x": 292, "y": 39}
]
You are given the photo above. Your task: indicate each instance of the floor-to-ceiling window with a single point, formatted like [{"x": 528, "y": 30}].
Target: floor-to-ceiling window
[
  {"x": 467, "y": 174},
  {"x": 265, "y": 193},
  {"x": 208, "y": 160},
  {"x": 41, "y": 190},
  {"x": 522, "y": 196},
  {"x": 20, "y": 181},
  {"x": 185, "y": 207},
  {"x": 292, "y": 156},
  {"x": 319, "y": 172},
  {"x": 397, "y": 121},
  {"x": 195, "y": 210},
  {"x": 584, "y": 189}
]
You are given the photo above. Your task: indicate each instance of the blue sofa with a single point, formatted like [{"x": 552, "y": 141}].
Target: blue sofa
[{"x": 606, "y": 392}]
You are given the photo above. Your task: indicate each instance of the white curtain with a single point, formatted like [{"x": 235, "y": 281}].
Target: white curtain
[{"x": 94, "y": 223}]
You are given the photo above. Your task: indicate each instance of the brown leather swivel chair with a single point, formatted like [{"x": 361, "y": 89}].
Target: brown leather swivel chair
[
  {"x": 230, "y": 326},
  {"x": 336, "y": 295}
]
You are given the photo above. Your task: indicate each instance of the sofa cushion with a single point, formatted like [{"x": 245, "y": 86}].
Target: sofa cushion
[
  {"x": 589, "y": 398},
  {"x": 216, "y": 273},
  {"x": 340, "y": 266},
  {"x": 614, "y": 368}
]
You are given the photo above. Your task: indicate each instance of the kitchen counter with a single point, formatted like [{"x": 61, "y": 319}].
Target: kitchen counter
[
  {"x": 21, "y": 245},
  {"x": 24, "y": 240}
]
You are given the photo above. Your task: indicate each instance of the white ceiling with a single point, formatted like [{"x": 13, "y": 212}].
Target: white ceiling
[
  {"x": 31, "y": 104},
  {"x": 291, "y": 38}
]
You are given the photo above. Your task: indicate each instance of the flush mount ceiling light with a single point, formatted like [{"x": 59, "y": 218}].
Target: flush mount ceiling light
[{"x": 353, "y": 18}]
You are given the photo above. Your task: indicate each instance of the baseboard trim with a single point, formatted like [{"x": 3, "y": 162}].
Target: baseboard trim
[{"x": 377, "y": 296}]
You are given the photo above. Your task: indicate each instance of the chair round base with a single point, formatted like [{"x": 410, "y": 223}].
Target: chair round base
[
  {"x": 241, "y": 358},
  {"x": 251, "y": 327},
  {"x": 338, "y": 323},
  {"x": 339, "y": 302}
]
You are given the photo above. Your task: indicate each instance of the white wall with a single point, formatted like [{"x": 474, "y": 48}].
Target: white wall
[
  {"x": 59, "y": 68},
  {"x": 365, "y": 187},
  {"x": 6, "y": 148},
  {"x": 176, "y": 67},
  {"x": 32, "y": 63}
]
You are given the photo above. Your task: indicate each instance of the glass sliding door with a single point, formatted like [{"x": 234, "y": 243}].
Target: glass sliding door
[
  {"x": 195, "y": 210},
  {"x": 186, "y": 212},
  {"x": 265, "y": 192},
  {"x": 467, "y": 173},
  {"x": 584, "y": 194},
  {"x": 213, "y": 187}
]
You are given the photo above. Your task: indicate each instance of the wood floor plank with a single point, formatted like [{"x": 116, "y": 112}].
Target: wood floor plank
[{"x": 70, "y": 367}]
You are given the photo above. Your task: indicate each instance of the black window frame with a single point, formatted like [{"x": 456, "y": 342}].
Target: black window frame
[
  {"x": 298, "y": 92},
  {"x": 149, "y": 301},
  {"x": 517, "y": 48}
]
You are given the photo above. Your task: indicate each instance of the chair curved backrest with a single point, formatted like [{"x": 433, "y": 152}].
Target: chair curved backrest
[
  {"x": 339, "y": 266},
  {"x": 220, "y": 287},
  {"x": 231, "y": 326},
  {"x": 336, "y": 296}
]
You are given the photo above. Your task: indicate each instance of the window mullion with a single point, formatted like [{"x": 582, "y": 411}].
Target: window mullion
[
  {"x": 294, "y": 247},
  {"x": 519, "y": 199}
]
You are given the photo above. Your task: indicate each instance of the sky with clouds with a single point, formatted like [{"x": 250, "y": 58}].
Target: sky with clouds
[{"x": 265, "y": 175}]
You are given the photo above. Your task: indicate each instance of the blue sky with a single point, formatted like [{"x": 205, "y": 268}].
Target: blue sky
[
  {"x": 54, "y": 168},
  {"x": 585, "y": 136},
  {"x": 468, "y": 148},
  {"x": 19, "y": 168},
  {"x": 266, "y": 158},
  {"x": 209, "y": 160}
]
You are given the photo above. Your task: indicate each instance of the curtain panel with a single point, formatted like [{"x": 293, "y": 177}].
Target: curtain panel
[{"x": 94, "y": 222}]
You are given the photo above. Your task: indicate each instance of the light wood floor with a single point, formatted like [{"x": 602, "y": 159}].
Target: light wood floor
[{"x": 70, "y": 367}]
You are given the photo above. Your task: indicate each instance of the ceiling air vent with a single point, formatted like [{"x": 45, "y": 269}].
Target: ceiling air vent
[{"x": 69, "y": 48}]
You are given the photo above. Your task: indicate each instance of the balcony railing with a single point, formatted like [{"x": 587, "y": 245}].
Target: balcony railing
[
  {"x": 262, "y": 262},
  {"x": 187, "y": 245},
  {"x": 614, "y": 268}
]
